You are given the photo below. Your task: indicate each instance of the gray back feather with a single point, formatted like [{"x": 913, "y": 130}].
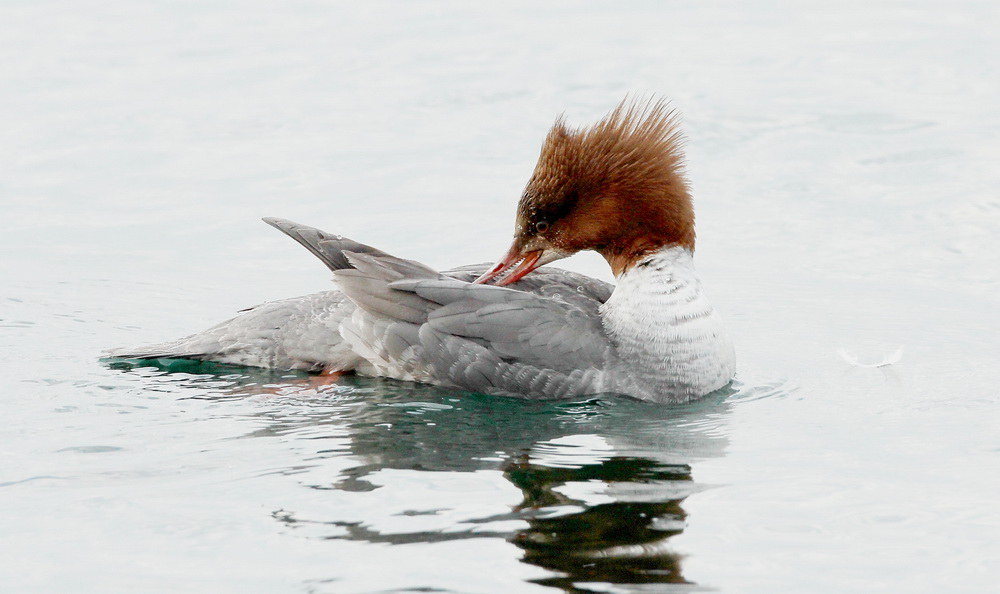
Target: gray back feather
[{"x": 325, "y": 246}]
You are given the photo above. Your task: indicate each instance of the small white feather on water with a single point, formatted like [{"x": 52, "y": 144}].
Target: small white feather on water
[{"x": 889, "y": 359}]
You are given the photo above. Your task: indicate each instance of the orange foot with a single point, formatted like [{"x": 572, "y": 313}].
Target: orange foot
[
  {"x": 333, "y": 374},
  {"x": 310, "y": 384}
]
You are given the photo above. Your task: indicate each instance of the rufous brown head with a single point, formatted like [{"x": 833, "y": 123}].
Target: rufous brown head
[{"x": 616, "y": 187}]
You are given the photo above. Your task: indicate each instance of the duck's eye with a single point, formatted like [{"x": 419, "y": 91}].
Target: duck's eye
[{"x": 542, "y": 226}]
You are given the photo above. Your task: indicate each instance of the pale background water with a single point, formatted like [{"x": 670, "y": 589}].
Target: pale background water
[{"x": 845, "y": 162}]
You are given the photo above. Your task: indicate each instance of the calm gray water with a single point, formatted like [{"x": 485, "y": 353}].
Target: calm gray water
[{"x": 844, "y": 160}]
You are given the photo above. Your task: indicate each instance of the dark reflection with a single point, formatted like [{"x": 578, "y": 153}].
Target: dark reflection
[
  {"x": 618, "y": 542},
  {"x": 592, "y": 515}
]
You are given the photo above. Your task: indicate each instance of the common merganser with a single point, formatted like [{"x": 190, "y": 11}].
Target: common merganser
[{"x": 617, "y": 188}]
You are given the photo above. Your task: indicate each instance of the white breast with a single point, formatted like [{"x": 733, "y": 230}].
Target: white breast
[{"x": 670, "y": 339}]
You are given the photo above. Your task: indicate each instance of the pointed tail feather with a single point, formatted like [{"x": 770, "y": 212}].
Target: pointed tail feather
[{"x": 327, "y": 247}]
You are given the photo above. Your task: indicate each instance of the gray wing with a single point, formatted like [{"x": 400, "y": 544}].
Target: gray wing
[
  {"x": 327, "y": 247},
  {"x": 332, "y": 250},
  {"x": 581, "y": 290},
  {"x": 483, "y": 338}
]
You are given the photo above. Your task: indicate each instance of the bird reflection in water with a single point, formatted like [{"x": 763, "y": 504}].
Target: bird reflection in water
[
  {"x": 622, "y": 542},
  {"x": 592, "y": 515}
]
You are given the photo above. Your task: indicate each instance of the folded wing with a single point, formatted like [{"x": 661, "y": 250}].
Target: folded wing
[{"x": 478, "y": 337}]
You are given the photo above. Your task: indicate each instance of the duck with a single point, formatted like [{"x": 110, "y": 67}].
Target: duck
[{"x": 517, "y": 327}]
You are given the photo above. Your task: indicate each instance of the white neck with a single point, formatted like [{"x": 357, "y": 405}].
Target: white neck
[{"x": 671, "y": 342}]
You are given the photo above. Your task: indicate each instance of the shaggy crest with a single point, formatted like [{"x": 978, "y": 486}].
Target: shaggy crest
[{"x": 619, "y": 183}]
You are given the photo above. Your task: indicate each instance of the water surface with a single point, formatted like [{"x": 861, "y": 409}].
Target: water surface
[{"x": 843, "y": 161}]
